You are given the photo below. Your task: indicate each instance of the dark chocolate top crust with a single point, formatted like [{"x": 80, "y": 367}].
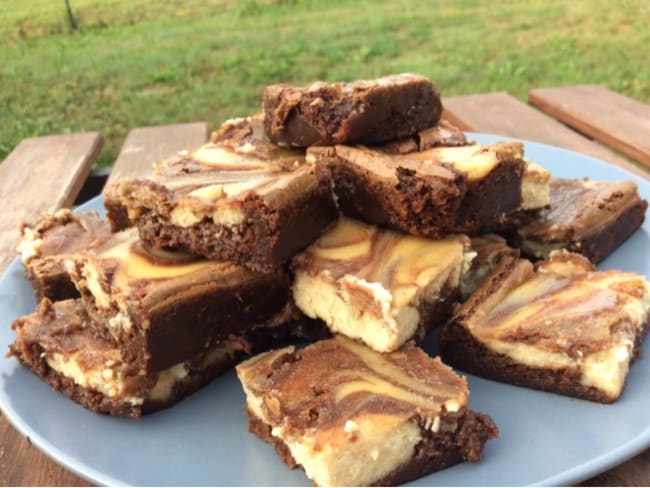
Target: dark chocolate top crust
[{"x": 359, "y": 112}]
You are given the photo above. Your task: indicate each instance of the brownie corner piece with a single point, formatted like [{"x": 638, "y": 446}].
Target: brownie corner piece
[
  {"x": 57, "y": 344},
  {"x": 47, "y": 242},
  {"x": 442, "y": 190},
  {"x": 239, "y": 198},
  {"x": 585, "y": 216},
  {"x": 163, "y": 307},
  {"x": 559, "y": 326},
  {"x": 350, "y": 416},
  {"x": 379, "y": 286},
  {"x": 358, "y": 112}
]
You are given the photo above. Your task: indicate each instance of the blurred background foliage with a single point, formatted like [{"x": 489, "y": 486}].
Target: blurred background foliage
[{"x": 144, "y": 62}]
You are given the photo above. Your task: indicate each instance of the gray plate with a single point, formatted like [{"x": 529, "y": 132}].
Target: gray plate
[{"x": 545, "y": 439}]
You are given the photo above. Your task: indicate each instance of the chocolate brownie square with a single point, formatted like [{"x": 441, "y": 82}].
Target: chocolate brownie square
[
  {"x": 379, "y": 286},
  {"x": 238, "y": 198},
  {"x": 561, "y": 326},
  {"x": 585, "y": 216},
  {"x": 57, "y": 343},
  {"x": 431, "y": 193},
  {"x": 164, "y": 307},
  {"x": 350, "y": 416},
  {"x": 359, "y": 112},
  {"x": 48, "y": 242}
]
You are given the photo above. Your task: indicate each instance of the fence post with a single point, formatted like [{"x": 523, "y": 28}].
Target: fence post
[{"x": 71, "y": 19}]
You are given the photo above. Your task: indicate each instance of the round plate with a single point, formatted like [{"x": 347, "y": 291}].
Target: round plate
[{"x": 545, "y": 439}]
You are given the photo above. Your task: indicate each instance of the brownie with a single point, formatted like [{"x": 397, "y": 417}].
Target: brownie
[
  {"x": 238, "y": 198},
  {"x": 490, "y": 249},
  {"x": 561, "y": 326},
  {"x": 48, "y": 242},
  {"x": 431, "y": 193},
  {"x": 358, "y": 112},
  {"x": 350, "y": 416},
  {"x": 58, "y": 345},
  {"x": 379, "y": 286},
  {"x": 589, "y": 217},
  {"x": 164, "y": 307}
]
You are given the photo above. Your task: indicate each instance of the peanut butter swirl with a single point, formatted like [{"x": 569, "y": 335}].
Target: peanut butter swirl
[
  {"x": 402, "y": 264},
  {"x": 333, "y": 381}
]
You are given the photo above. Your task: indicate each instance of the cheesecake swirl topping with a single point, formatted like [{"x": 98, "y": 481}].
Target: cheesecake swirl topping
[
  {"x": 566, "y": 306},
  {"x": 135, "y": 261},
  {"x": 354, "y": 380},
  {"x": 400, "y": 263},
  {"x": 474, "y": 160}
]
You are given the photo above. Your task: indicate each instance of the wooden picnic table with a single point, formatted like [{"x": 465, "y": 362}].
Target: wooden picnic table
[{"x": 46, "y": 173}]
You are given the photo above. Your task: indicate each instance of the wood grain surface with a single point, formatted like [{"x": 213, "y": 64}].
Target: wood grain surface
[
  {"x": 609, "y": 117},
  {"x": 40, "y": 175},
  {"x": 501, "y": 113},
  {"x": 146, "y": 145}
]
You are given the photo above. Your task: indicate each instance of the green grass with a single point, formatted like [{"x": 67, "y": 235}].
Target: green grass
[{"x": 136, "y": 63}]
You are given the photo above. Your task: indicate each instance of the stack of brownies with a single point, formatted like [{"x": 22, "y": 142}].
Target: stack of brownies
[{"x": 353, "y": 210}]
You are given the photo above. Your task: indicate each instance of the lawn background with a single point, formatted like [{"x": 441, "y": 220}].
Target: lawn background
[{"x": 138, "y": 63}]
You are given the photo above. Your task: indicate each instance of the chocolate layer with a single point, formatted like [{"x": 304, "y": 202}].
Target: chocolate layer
[
  {"x": 58, "y": 345},
  {"x": 239, "y": 199},
  {"x": 589, "y": 217},
  {"x": 164, "y": 307},
  {"x": 359, "y": 112},
  {"x": 351, "y": 416},
  {"x": 429, "y": 193},
  {"x": 563, "y": 327},
  {"x": 48, "y": 242}
]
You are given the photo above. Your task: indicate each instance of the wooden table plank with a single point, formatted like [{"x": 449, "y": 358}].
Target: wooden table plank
[
  {"x": 21, "y": 464},
  {"x": 146, "y": 145},
  {"x": 609, "y": 117},
  {"x": 501, "y": 113},
  {"x": 41, "y": 174}
]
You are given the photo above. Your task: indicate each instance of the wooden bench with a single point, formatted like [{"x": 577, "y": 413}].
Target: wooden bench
[
  {"x": 46, "y": 173},
  {"x": 620, "y": 122},
  {"x": 42, "y": 174}
]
